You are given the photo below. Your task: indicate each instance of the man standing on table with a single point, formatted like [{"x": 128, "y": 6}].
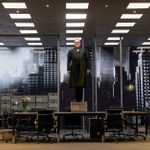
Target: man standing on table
[{"x": 78, "y": 68}]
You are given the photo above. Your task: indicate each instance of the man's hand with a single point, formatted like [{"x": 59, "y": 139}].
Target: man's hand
[{"x": 88, "y": 71}]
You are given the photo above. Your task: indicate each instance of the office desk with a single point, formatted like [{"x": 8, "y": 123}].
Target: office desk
[
  {"x": 61, "y": 114},
  {"x": 102, "y": 116},
  {"x": 20, "y": 117},
  {"x": 25, "y": 115}
]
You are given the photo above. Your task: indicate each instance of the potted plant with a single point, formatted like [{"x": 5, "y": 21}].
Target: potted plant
[{"x": 25, "y": 103}]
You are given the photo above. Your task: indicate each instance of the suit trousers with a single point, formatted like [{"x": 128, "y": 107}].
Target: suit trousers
[{"x": 78, "y": 93}]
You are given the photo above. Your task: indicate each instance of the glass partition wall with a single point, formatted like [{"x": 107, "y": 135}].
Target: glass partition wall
[
  {"x": 29, "y": 74},
  {"x": 40, "y": 73}
]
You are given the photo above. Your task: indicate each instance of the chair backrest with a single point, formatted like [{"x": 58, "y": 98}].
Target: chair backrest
[
  {"x": 45, "y": 120},
  {"x": 135, "y": 120},
  {"x": 114, "y": 120},
  {"x": 72, "y": 121}
]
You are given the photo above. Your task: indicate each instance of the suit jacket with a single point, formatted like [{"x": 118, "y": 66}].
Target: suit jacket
[{"x": 77, "y": 64}]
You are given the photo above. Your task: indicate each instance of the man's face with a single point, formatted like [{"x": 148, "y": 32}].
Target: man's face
[{"x": 77, "y": 43}]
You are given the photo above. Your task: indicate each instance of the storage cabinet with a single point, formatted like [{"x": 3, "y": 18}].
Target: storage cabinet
[{"x": 10, "y": 102}]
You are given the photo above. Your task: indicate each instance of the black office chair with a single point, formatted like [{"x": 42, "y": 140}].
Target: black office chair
[
  {"x": 45, "y": 125},
  {"x": 24, "y": 126},
  {"x": 72, "y": 122},
  {"x": 114, "y": 123},
  {"x": 132, "y": 124}
]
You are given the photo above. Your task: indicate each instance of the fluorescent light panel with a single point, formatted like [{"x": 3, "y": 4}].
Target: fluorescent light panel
[
  {"x": 28, "y": 31},
  {"x": 74, "y": 31},
  {"x": 120, "y": 31},
  {"x": 140, "y": 5},
  {"x": 14, "y": 5},
  {"x": 131, "y": 16},
  {"x": 3, "y": 48},
  {"x": 138, "y": 51},
  {"x": 1, "y": 44},
  {"x": 72, "y": 38},
  {"x": 111, "y": 43},
  {"x": 146, "y": 43},
  {"x": 5, "y": 51},
  {"x": 38, "y": 44},
  {"x": 70, "y": 43},
  {"x": 75, "y": 24},
  {"x": 148, "y": 38},
  {"x": 20, "y": 16},
  {"x": 77, "y": 5},
  {"x": 143, "y": 47},
  {"x": 32, "y": 38},
  {"x": 24, "y": 24},
  {"x": 38, "y": 48},
  {"x": 76, "y": 16},
  {"x": 114, "y": 38},
  {"x": 125, "y": 24}
]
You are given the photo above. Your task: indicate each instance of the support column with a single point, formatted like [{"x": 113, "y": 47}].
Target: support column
[
  {"x": 94, "y": 78},
  {"x": 95, "y": 87},
  {"x": 121, "y": 73},
  {"x": 58, "y": 72},
  {"x": 83, "y": 95}
]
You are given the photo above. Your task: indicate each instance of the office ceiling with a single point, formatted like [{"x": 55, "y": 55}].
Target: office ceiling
[{"x": 102, "y": 15}]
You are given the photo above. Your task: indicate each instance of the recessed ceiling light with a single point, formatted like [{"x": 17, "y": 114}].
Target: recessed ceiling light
[
  {"x": 114, "y": 38},
  {"x": 134, "y": 11},
  {"x": 140, "y": 5},
  {"x": 125, "y": 24},
  {"x": 32, "y": 38},
  {"x": 120, "y": 31},
  {"x": 74, "y": 31},
  {"x": 28, "y": 31},
  {"x": 33, "y": 44},
  {"x": 77, "y": 5},
  {"x": 106, "y": 6},
  {"x": 14, "y": 5},
  {"x": 47, "y": 5},
  {"x": 111, "y": 43},
  {"x": 70, "y": 43},
  {"x": 146, "y": 43},
  {"x": 131, "y": 16},
  {"x": 17, "y": 11},
  {"x": 76, "y": 16},
  {"x": 72, "y": 38},
  {"x": 24, "y": 24},
  {"x": 20, "y": 16},
  {"x": 1, "y": 44},
  {"x": 75, "y": 24}
]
